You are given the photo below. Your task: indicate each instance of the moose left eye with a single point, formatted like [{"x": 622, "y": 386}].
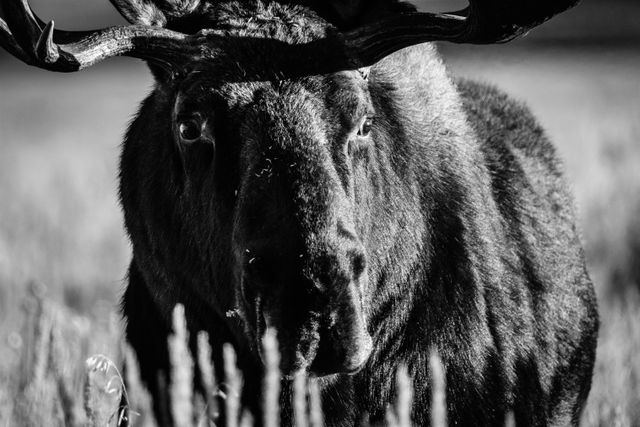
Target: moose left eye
[
  {"x": 190, "y": 130},
  {"x": 365, "y": 127}
]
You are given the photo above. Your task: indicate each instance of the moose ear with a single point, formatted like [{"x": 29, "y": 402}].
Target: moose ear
[
  {"x": 171, "y": 14},
  {"x": 347, "y": 14},
  {"x": 160, "y": 74},
  {"x": 143, "y": 12},
  {"x": 159, "y": 13}
]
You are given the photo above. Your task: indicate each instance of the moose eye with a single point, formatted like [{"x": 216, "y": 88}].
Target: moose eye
[
  {"x": 365, "y": 127},
  {"x": 190, "y": 130}
]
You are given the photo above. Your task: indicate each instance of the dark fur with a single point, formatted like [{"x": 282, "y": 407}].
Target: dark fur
[{"x": 458, "y": 203}]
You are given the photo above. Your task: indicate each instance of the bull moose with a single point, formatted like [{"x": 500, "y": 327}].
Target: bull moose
[{"x": 312, "y": 168}]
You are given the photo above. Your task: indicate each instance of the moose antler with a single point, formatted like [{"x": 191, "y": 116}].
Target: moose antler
[
  {"x": 26, "y": 37},
  {"x": 482, "y": 22}
]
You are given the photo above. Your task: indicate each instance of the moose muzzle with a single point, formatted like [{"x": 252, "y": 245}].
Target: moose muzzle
[
  {"x": 345, "y": 344},
  {"x": 315, "y": 304}
]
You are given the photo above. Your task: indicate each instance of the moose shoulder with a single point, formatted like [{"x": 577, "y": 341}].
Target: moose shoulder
[{"x": 294, "y": 171}]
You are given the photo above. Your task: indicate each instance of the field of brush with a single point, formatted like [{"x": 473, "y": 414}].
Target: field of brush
[{"x": 63, "y": 253}]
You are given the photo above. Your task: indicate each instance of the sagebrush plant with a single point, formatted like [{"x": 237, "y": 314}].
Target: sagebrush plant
[{"x": 56, "y": 384}]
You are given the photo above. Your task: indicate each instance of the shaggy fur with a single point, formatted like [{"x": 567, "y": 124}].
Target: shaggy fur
[{"x": 448, "y": 227}]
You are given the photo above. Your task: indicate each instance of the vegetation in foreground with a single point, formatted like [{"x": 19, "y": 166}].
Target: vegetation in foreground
[
  {"x": 53, "y": 383},
  {"x": 51, "y": 387}
]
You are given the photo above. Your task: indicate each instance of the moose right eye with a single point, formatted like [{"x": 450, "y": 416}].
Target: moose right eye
[{"x": 190, "y": 130}]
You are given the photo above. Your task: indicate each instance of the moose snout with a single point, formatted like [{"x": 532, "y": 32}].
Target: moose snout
[
  {"x": 327, "y": 265},
  {"x": 312, "y": 296},
  {"x": 345, "y": 344}
]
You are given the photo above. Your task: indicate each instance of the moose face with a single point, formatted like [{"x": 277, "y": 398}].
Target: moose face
[{"x": 289, "y": 158}]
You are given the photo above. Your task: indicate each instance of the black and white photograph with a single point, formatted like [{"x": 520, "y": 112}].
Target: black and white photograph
[{"x": 366, "y": 213}]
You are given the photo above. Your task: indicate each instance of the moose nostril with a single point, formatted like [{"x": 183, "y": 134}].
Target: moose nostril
[
  {"x": 261, "y": 269},
  {"x": 358, "y": 263}
]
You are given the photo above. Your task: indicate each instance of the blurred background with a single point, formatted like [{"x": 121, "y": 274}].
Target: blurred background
[{"x": 60, "y": 223}]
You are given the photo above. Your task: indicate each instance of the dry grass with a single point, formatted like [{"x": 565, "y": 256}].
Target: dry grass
[
  {"x": 48, "y": 391},
  {"x": 615, "y": 395},
  {"x": 53, "y": 384},
  {"x": 59, "y": 223}
]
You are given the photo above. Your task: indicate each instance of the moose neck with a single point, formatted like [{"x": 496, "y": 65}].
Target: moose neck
[{"x": 438, "y": 178}]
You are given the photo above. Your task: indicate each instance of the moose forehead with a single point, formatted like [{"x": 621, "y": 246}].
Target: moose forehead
[
  {"x": 257, "y": 57},
  {"x": 339, "y": 97}
]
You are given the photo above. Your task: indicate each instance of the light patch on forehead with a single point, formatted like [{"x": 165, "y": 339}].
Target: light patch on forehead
[
  {"x": 238, "y": 95},
  {"x": 364, "y": 72}
]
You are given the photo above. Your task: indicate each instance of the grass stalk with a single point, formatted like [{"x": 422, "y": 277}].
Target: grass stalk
[
  {"x": 405, "y": 397},
  {"x": 207, "y": 375},
  {"x": 181, "y": 389},
  {"x": 438, "y": 391},
  {"x": 300, "y": 400},
  {"x": 271, "y": 383},
  {"x": 233, "y": 380},
  {"x": 316, "y": 417},
  {"x": 139, "y": 406}
]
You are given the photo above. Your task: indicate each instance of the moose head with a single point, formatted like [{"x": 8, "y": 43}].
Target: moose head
[{"x": 250, "y": 179}]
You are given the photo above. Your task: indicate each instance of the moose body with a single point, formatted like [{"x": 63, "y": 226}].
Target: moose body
[{"x": 368, "y": 215}]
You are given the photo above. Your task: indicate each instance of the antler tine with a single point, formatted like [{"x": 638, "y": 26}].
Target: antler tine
[
  {"x": 24, "y": 36},
  {"x": 483, "y": 22},
  {"x": 8, "y": 42},
  {"x": 29, "y": 32}
]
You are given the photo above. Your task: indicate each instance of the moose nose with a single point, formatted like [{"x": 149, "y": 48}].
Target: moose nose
[
  {"x": 337, "y": 257},
  {"x": 345, "y": 343},
  {"x": 358, "y": 261},
  {"x": 356, "y": 354},
  {"x": 328, "y": 259},
  {"x": 352, "y": 248}
]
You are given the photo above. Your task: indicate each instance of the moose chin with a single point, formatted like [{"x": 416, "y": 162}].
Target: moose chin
[{"x": 313, "y": 169}]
